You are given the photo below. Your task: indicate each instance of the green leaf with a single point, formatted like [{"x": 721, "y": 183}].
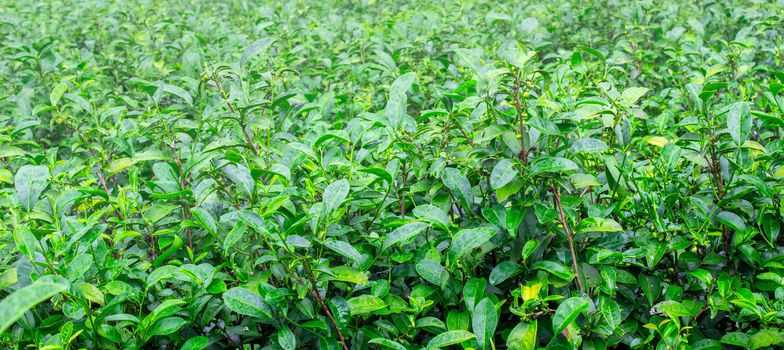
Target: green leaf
[
  {"x": 523, "y": 336},
  {"x": 240, "y": 175},
  {"x": 365, "y": 304},
  {"x": 459, "y": 185},
  {"x": 256, "y": 48},
  {"x": 286, "y": 339},
  {"x": 503, "y": 173},
  {"x": 567, "y": 312},
  {"x": 205, "y": 220},
  {"x": 346, "y": 250},
  {"x": 253, "y": 221},
  {"x": 732, "y": 220},
  {"x": 234, "y": 236},
  {"x": 473, "y": 291},
  {"x": 739, "y": 122},
  {"x": 433, "y": 215},
  {"x": 166, "y": 326},
  {"x": 30, "y": 181},
  {"x": 23, "y": 299},
  {"x": 195, "y": 343},
  {"x": 395, "y": 110},
  {"x": 651, "y": 287},
  {"x": 484, "y": 323},
  {"x": 57, "y": 93},
  {"x": 8, "y": 278},
  {"x": 631, "y": 95},
  {"x": 737, "y": 339},
  {"x": 174, "y": 90},
  {"x": 673, "y": 309},
  {"x": 596, "y": 224},
  {"x": 403, "y": 233},
  {"x": 554, "y": 268},
  {"x": 432, "y": 272},
  {"x": 165, "y": 309},
  {"x": 348, "y": 274},
  {"x": 25, "y": 242},
  {"x": 449, "y": 338},
  {"x": 381, "y": 173},
  {"x": 334, "y": 194},
  {"x": 551, "y": 165},
  {"x": 503, "y": 271},
  {"x": 245, "y": 302},
  {"x": 611, "y": 312},
  {"x": 79, "y": 266},
  {"x": 387, "y": 344},
  {"x": 588, "y": 145},
  {"x": 767, "y": 337},
  {"x": 467, "y": 240}
]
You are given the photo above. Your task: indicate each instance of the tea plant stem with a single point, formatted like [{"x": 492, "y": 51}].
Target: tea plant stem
[
  {"x": 233, "y": 110},
  {"x": 521, "y": 120},
  {"x": 324, "y": 306},
  {"x": 562, "y": 218}
]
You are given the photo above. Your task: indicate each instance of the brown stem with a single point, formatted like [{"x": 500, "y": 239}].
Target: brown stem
[
  {"x": 562, "y": 217},
  {"x": 233, "y": 110},
  {"x": 715, "y": 169},
  {"x": 102, "y": 180},
  {"x": 186, "y": 212},
  {"x": 324, "y": 307},
  {"x": 520, "y": 120}
]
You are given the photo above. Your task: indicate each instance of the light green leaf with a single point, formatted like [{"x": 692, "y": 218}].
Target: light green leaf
[
  {"x": 365, "y": 304},
  {"x": 554, "y": 268},
  {"x": 403, "y": 233},
  {"x": 503, "y": 173},
  {"x": 30, "y": 181},
  {"x": 631, "y": 95},
  {"x": 25, "y": 241},
  {"x": 346, "y": 250},
  {"x": 8, "y": 278},
  {"x": 432, "y": 272},
  {"x": 348, "y": 274},
  {"x": 57, "y": 93},
  {"x": 196, "y": 343},
  {"x": 467, "y": 240},
  {"x": 611, "y": 312},
  {"x": 166, "y": 326},
  {"x": 234, "y": 236},
  {"x": 395, "y": 110},
  {"x": 567, "y": 312},
  {"x": 597, "y": 224},
  {"x": 79, "y": 266},
  {"x": 739, "y": 122},
  {"x": 523, "y": 336},
  {"x": 449, "y": 338},
  {"x": 334, "y": 194},
  {"x": 433, "y": 215},
  {"x": 484, "y": 323},
  {"x": 503, "y": 271},
  {"x": 240, "y": 175},
  {"x": 256, "y": 48},
  {"x": 588, "y": 145},
  {"x": 286, "y": 339},
  {"x": 23, "y": 299},
  {"x": 388, "y": 344},
  {"x": 551, "y": 165}
]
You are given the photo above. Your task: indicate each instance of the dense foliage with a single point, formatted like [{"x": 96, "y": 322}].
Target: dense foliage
[{"x": 352, "y": 175}]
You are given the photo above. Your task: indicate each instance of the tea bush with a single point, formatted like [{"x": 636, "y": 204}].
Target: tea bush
[{"x": 391, "y": 175}]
